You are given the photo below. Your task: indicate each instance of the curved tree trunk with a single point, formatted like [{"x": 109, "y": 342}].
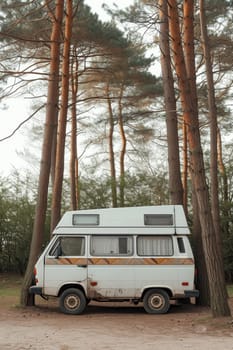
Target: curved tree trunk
[
  {"x": 123, "y": 150},
  {"x": 50, "y": 125}
]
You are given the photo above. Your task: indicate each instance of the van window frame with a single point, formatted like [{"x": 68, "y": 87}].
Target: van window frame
[{"x": 57, "y": 245}]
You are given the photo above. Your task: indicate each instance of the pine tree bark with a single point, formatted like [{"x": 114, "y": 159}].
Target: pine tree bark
[
  {"x": 213, "y": 123},
  {"x": 50, "y": 125},
  {"x": 185, "y": 168},
  {"x": 123, "y": 149},
  {"x": 189, "y": 55},
  {"x": 74, "y": 176},
  {"x": 60, "y": 154},
  {"x": 224, "y": 177},
  {"x": 213, "y": 258},
  {"x": 175, "y": 183},
  {"x": 111, "y": 150}
]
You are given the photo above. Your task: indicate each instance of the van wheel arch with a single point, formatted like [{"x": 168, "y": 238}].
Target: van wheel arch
[
  {"x": 71, "y": 285},
  {"x": 169, "y": 292}
]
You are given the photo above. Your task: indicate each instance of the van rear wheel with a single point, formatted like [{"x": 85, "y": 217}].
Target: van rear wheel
[
  {"x": 156, "y": 301},
  {"x": 72, "y": 301}
]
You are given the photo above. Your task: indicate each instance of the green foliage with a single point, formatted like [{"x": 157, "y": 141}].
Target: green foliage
[
  {"x": 17, "y": 208},
  {"x": 140, "y": 189}
]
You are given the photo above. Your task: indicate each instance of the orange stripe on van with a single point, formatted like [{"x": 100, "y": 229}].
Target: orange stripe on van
[
  {"x": 140, "y": 261},
  {"x": 66, "y": 261},
  {"x": 119, "y": 261}
]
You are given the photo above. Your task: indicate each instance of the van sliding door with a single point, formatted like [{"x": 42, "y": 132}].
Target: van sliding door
[{"x": 110, "y": 273}]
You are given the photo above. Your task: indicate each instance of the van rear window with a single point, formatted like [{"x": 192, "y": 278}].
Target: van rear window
[{"x": 181, "y": 245}]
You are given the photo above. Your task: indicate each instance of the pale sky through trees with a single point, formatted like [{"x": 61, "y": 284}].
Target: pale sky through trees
[{"x": 15, "y": 111}]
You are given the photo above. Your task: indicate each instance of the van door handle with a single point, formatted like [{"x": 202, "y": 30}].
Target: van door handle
[{"x": 82, "y": 266}]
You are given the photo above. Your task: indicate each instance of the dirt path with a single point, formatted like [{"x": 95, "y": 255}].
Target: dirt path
[{"x": 112, "y": 327}]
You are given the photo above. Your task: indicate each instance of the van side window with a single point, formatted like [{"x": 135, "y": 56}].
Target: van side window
[
  {"x": 69, "y": 246},
  {"x": 181, "y": 245},
  {"x": 154, "y": 246},
  {"x": 111, "y": 245}
]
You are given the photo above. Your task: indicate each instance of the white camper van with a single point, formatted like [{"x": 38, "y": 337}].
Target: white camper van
[{"x": 137, "y": 254}]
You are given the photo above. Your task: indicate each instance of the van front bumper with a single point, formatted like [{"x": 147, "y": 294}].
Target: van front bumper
[
  {"x": 191, "y": 293},
  {"x": 35, "y": 290}
]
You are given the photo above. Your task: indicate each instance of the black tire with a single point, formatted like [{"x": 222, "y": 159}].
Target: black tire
[
  {"x": 156, "y": 301},
  {"x": 72, "y": 301}
]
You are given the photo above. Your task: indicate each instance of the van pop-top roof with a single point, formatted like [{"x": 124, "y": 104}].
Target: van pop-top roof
[{"x": 164, "y": 219}]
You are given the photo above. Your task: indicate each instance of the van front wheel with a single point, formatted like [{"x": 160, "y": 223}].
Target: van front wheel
[
  {"x": 72, "y": 301},
  {"x": 156, "y": 301}
]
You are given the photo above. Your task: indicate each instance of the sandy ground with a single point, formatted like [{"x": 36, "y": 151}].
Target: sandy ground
[{"x": 112, "y": 326}]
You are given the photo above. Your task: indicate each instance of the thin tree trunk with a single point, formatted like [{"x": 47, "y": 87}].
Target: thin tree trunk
[
  {"x": 175, "y": 183},
  {"x": 57, "y": 188},
  {"x": 74, "y": 179},
  {"x": 213, "y": 257},
  {"x": 185, "y": 169},
  {"x": 213, "y": 123},
  {"x": 123, "y": 150},
  {"x": 111, "y": 150},
  {"x": 225, "y": 195},
  {"x": 189, "y": 54},
  {"x": 50, "y": 124}
]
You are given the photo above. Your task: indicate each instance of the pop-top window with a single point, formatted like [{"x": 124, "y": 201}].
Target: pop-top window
[
  {"x": 158, "y": 219},
  {"x": 86, "y": 219}
]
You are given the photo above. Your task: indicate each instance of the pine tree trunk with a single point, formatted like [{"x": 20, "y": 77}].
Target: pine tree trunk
[
  {"x": 213, "y": 124},
  {"x": 50, "y": 125},
  {"x": 213, "y": 257},
  {"x": 123, "y": 150},
  {"x": 74, "y": 178},
  {"x": 185, "y": 169},
  {"x": 189, "y": 54},
  {"x": 175, "y": 183},
  {"x": 225, "y": 195},
  {"x": 201, "y": 281},
  {"x": 111, "y": 150},
  {"x": 60, "y": 154}
]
